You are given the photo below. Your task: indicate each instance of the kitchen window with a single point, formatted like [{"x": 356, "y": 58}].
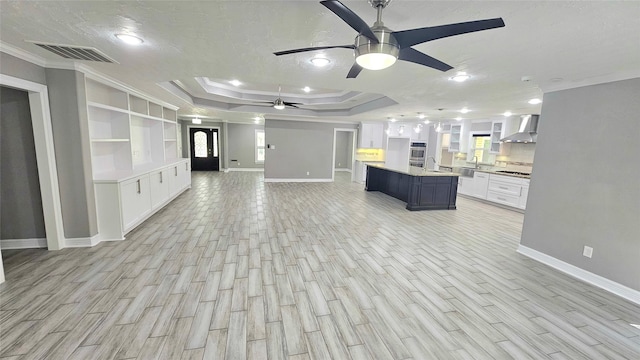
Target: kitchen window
[
  {"x": 479, "y": 147},
  {"x": 260, "y": 146}
]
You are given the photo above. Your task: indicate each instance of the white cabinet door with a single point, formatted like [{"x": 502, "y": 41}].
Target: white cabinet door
[
  {"x": 523, "y": 197},
  {"x": 371, "y": 136},
  {"x": 465, "y": 185},
  {"x": 497, "y": 132},
  {"x": 459, "y": 138},
  {"x": 135, "y": 199},
  {"x": 480, "y": 185},
  {"x": 159, "y": 184},
  {"x": 174, "y": 179}
]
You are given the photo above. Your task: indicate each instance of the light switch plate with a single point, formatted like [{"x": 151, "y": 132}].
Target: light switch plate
[{"x": 588, "y": 251}]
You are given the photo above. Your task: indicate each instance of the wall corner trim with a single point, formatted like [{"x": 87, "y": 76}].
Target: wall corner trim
[{"x": 581, "y": 274}]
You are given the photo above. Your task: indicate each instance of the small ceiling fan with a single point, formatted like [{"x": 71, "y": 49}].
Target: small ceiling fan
[
  {"x": 378, "y": 47},
  {"x": 280, "y": 104}
]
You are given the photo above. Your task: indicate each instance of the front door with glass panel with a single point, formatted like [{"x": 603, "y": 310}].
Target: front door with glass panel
[{"x": 204, "y": 149}]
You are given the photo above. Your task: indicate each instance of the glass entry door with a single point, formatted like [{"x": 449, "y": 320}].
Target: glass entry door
[{"x": 204, "y": 149}]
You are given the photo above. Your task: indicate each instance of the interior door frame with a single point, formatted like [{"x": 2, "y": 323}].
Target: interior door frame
[
  {"x": 45, "y": 159},
  {"x": 203, "y": 126},
  {"x": 353, "y": 152}
]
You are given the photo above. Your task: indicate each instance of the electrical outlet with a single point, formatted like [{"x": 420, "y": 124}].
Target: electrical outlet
[
  {"x": 307, "y": 173},
  {"x": 588, "y": 251},
  {"x": 339, "y": 164}
]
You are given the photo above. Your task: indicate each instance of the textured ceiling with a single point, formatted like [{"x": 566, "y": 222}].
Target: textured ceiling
[{"x": 557, "y": 44}]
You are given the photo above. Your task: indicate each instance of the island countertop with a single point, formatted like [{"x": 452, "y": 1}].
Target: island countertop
[{"x": 411, "y": 170}]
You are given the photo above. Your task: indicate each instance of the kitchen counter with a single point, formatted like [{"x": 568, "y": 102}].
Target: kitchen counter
[
  {"x": 421, "y": 190},
  {"x": 413, "y": 171},
  {"x": 505, "y": 174}
]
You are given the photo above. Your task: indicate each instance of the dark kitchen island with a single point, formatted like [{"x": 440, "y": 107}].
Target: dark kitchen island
[{"x": 421, "y": 190}]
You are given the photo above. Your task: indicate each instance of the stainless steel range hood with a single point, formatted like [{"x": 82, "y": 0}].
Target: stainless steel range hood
[{"x": 527, "y": 131}]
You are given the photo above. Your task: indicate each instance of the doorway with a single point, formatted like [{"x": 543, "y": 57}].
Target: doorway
[
  {"x": 204, "y": 149},
  {"x": 344, "y": 149}
]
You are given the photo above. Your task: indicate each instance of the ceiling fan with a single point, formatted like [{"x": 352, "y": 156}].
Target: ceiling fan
[
  {"x": 378, "y": 47},
  {"x": 280, "y": 104}
]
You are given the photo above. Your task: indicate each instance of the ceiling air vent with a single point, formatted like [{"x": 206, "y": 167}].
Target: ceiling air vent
[{"x": 76, "y": 52}]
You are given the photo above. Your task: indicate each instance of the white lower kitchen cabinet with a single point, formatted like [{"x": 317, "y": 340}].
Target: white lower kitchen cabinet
[
  {"x": 506, "y": 190},
  {"x": 480, "y": 185},
  {"x": 524, "y": 194},
  {"x": 465, "y": 185},
  {"x": 124, "y": 200}
]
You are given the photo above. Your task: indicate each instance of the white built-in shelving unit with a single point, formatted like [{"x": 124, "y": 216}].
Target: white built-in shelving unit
[{"x": 134, "y": 156}]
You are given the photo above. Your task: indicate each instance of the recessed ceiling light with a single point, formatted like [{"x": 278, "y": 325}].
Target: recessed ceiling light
[
  {"x": 196, "y": 121},
  {"x": 392, "y": 119},
  {"x": 427, "y": 121},
  {"x": 458, "y": 118},
  {"x": 464, "y": 110},
  {"x": 235, "y": 82},
  {"x": 129, "y": 39},
  {"x": 257, "y": 118},
  {"x": 306, "y": 89},
  {"x": 421, "y": 116},
  {"x": 535, "y": 101},
  {"x": 507, "y": 113},
  {"x": 320, "y": 61},
  {"x": 460, "y": 77}
]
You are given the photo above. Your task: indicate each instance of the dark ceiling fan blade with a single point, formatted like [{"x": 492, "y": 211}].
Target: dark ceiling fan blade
[
  {"x": 292, "y": 103},
  {"x": 354, "y": 71},
  {"x": 412, "y": 37},
  {"x": 287, "y": 52},
  {"x": 415, "y": 56},
  {"x": 350, "y": 18}
]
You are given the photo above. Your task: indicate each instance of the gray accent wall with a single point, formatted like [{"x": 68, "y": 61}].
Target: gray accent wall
[
  {"x": 69, "y": 121},
  {"x": 584, "y": 185},
  {"x": 21, "y": 214},
  {"x": 241, "y": 145},
  {"x": 22, "y": 69},
  {"x": 300, "y": 147}
]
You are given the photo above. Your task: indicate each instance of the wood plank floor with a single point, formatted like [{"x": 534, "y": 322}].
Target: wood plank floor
[{"x": 239, "y": 269}]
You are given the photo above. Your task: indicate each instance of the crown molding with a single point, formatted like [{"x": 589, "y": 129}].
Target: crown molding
[
  {"x": 21, "y": 54},
  {"x": 620, "y": 76}
]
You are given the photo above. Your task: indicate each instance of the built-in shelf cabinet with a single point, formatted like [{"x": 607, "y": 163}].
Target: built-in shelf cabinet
[{"x": 134, "y": 153}]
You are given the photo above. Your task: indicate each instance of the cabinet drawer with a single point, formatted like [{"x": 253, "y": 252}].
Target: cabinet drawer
[
  {"x": 505, "y": 179},
  {"x": 505, "y": 188},
  {"x": 504, "y": 199}
]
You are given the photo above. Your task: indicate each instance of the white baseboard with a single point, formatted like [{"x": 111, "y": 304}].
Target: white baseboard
[
  {"x": 342, "y": 169},
  {"x": 244, "y": 169},
  {"x": 581, "y": 274},
  {"x": 297, "y": 180},
  {"x": 14, "y": 244},
  {"x": 83, "y": 242}
]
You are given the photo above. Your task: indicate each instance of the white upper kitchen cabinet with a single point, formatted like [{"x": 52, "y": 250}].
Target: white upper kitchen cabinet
[
  {"x": 371, "y": 135},
  {"x": 497, "y": 133},
  {"x": 459, "y": 137}
]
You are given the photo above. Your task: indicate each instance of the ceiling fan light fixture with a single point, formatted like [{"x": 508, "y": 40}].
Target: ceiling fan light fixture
[
  {"x": 378, "y": 56},
  {"x": 320, "y": 61},
  {"x": 278, "y": 104},
  {"x": 376, "y": 61}
]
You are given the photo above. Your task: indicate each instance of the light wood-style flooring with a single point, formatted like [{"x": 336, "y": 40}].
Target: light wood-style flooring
[{"x": 239, "y": 269}]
